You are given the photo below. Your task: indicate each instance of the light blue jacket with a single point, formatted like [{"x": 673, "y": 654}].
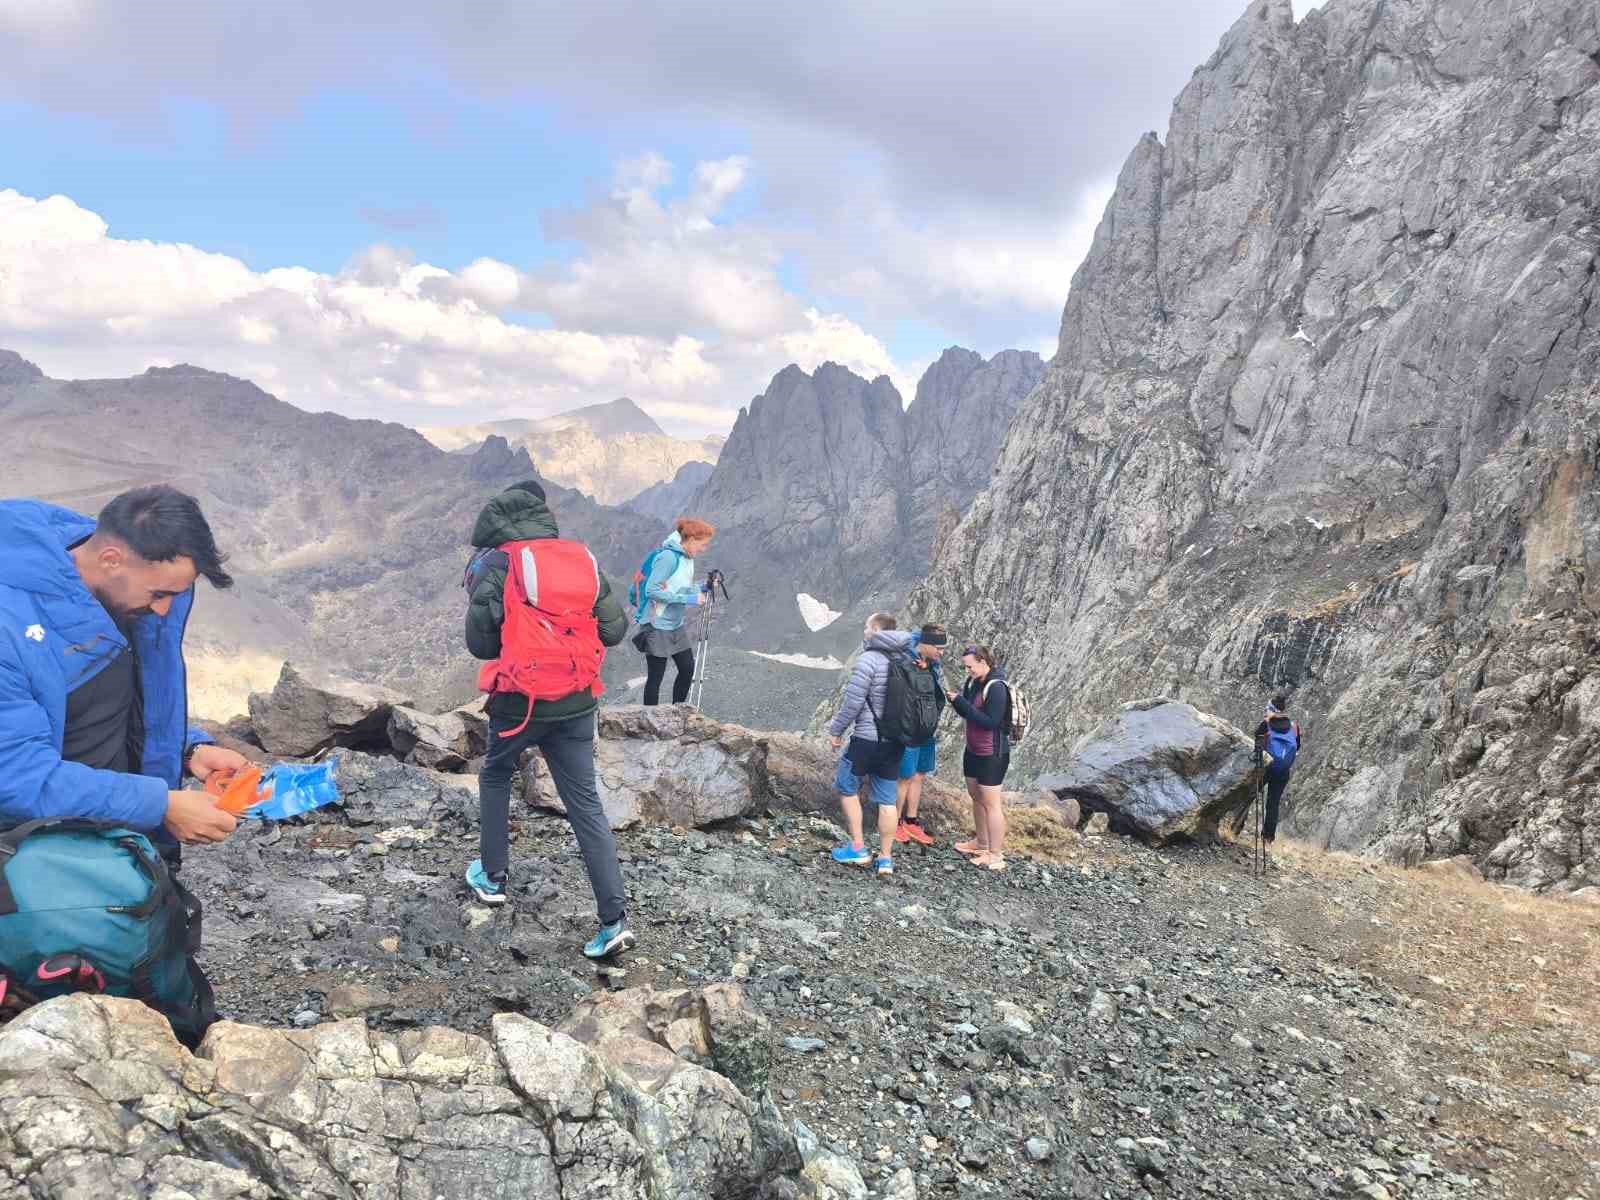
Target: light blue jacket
[
  {"x": 868, "y": 685},
  {"x": 670, "y": 590},
  {"x": 55, "y": 637}
]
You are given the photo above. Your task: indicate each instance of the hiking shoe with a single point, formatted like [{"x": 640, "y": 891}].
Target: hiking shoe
[
  {"x": 855, "y": 856},
  {"x": 488, "y": 890},
  {"x": 916, "y": 833},
  {"x": 885, "y": 867},
  {"x": 612, "y": 939},
  {"x": 902, "y": 833}
]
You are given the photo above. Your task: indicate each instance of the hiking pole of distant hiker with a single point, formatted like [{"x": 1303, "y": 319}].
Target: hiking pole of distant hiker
[
  {"x": 697, "y": 688},
  {"x": 1259, "y": 863}
]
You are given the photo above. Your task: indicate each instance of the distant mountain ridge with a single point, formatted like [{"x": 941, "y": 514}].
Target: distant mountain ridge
[
  {"x": 612, "y": 451},
  {"x": 347, "y": 537}
]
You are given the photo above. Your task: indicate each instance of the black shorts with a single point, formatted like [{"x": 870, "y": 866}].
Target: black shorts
[{"x": 988, "y": 769}]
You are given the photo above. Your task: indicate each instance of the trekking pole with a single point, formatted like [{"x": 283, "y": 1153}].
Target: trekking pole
[
  {"x": 1259, "y": 862},
  {"x": 702, "y": 656}
]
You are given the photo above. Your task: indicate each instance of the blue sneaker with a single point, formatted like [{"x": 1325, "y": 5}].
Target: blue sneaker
[
  {"x": 885, "y": 867},
  {"x": 855, "y": 856},
  {"x": 488, "y": 891},
  {"x": 612, "y": 939}
]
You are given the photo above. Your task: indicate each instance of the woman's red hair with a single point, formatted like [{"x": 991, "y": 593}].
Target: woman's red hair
[{"x": 690, "y": 528}]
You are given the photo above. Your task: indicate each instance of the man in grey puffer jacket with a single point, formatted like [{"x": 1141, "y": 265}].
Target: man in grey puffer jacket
[{"x": 868, "y": 758}]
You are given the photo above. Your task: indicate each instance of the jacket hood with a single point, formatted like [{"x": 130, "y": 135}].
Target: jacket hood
[
  {"x": 34, "y": 539},
  {"x": 890, "y": 641},
  {"x": 513, "y": 516},
  {"x": 673, "y": 542}
]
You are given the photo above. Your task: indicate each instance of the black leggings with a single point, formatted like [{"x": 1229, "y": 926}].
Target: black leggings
[{"x": 656, "y": 670}]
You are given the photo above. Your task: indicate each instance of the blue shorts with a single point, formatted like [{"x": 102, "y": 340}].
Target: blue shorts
[
  {"x": 917, "y": 760},
  {"x": 847, "y": 783}
]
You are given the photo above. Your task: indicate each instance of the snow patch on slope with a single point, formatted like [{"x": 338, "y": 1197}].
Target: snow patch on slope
[
  {"x": 817, "y": 615},
  {"x": 810, "y": 661}
]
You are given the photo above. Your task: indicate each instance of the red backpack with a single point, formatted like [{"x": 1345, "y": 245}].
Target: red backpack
[{"x": 550, "y": 642}]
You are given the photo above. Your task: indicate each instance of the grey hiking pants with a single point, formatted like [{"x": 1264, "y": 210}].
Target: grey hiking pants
[{"x": 568, "y": 749}]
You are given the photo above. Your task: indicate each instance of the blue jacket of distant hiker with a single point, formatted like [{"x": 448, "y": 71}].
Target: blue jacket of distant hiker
[
  {"x": 670, "y": 590},
  {"x": 55, "y": 637}
]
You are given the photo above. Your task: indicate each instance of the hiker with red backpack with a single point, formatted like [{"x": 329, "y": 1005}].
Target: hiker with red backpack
[
  {"x": 983, "y": 702},
  {"x": 542, "y": 612},
  {"x": 663, "y": 591},
  {"x": 1278, "y": 740}
]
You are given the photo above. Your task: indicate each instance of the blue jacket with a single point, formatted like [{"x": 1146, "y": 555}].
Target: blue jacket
[
  {"x": 670, "y": 589},
  {"x": 55, "y": 637}
]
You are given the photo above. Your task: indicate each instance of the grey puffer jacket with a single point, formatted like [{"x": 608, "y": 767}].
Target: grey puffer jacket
[{"x": 870, "y": 677}]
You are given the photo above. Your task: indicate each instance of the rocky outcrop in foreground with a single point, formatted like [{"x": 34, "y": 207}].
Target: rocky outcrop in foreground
[
  {"x": 98, "y": 1099},
  {"x": 1324, "y": 420}
]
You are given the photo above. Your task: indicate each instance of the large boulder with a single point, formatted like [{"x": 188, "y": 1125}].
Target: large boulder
[
  {"x": 309, "y": 711},
  {"x": 1160, "y": 769},
  {"x": 440, "y": 741},
  {"x": 98, "y": 1099},
  {"x": 666, "y": 765}
]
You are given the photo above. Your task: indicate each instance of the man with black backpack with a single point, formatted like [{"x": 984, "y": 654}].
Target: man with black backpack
[
  {"x": 888, "y": 705},
  {"x": 1278, "y": 740}
]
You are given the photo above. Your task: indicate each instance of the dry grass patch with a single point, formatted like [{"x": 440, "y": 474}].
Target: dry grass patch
[{"x": 1038, "y": 832}]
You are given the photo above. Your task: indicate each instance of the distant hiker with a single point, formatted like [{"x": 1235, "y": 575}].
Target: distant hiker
[
  {"x": 543, "y": 612},
  {"x": 95, "y": 742},
  {"x": 869, "y": 758},
  {"x": 983, "y": 701},
  {"x": 1278, "y": 740},
  {"x": 918, "y": 762},
  {"x": 93, "y": 710},
  {"x": 664, "y": 589}
]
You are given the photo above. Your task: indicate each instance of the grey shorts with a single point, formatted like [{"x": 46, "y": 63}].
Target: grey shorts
[{"x": 664, "y": 643}]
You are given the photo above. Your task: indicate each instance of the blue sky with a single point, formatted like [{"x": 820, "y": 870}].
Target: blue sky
[{"x": 551, "y": 206}]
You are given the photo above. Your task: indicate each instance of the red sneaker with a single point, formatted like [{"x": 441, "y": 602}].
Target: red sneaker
[
  {"x": 900, "y": 833},
  {"x": 915, "y": 833}
]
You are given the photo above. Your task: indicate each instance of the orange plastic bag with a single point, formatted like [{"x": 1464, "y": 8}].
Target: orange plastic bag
[{"x": 236, "y": 791}]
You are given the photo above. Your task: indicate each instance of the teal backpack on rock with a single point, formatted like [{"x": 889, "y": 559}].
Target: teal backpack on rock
[{"x": 91, "y": 907}]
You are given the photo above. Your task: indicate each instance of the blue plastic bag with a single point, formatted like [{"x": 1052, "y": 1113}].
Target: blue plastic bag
[{"x": 296, "y": 788}]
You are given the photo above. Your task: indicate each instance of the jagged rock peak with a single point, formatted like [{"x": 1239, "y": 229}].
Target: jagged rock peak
[
  {"x": 1323, "y": 418},
  {"x": 16, "y": 369},
  {"x": 496, "y": 458}
]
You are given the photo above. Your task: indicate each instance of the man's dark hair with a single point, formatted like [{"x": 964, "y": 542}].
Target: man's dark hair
[
  {"x": 531, "y": 486},
  {"x": 159, "y": 524},
  {"x": 1281, "y": 702}
]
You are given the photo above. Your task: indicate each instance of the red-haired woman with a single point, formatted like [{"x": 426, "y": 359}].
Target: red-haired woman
[{"x": 668, "y": 593}]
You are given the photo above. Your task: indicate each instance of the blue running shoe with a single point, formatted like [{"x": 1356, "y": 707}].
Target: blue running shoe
[
  {"x": 488, "y": 891},
  {"x": 612, "y": 939},
  {"x": 855, "y": 856},
  {"x": 885, "y": 867}
]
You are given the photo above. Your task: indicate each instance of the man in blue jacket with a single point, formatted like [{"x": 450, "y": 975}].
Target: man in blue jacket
[{"x": 94, "y": 720}]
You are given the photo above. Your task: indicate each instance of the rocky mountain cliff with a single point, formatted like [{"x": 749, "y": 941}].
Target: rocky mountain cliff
[
  {"x": 611, "y": 452},
  {"x": 1325, "y": 418},
  {"x": 671, "y": 499},
  {"x": 830, "y": 485},
  {"x": 348, "y": 537}
]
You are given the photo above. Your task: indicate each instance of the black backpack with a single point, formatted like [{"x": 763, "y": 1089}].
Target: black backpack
[{"x": 911, "y": 704}]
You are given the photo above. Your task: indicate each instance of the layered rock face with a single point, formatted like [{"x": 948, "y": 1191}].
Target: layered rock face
[
  {"x": 1324, "y": 419},
  {"x": 98, "y": 1099},
  {"x": 830, "y": 485}
]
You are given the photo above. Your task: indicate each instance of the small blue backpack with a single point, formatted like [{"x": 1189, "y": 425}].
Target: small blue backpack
[
  {"x": 92, "y": 907},
  {"x": 641, "y": 578},
  {"x": 1283, "y": 746}
]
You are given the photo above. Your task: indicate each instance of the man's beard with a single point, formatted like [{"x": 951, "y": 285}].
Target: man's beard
[{"x": 124, "y": 617}]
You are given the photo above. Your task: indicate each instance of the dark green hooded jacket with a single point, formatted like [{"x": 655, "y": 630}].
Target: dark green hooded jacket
[{"x": 515, "y": 516}]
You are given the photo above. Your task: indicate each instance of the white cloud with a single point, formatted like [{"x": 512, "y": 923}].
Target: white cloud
[{"x": 394, "y": 338}]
